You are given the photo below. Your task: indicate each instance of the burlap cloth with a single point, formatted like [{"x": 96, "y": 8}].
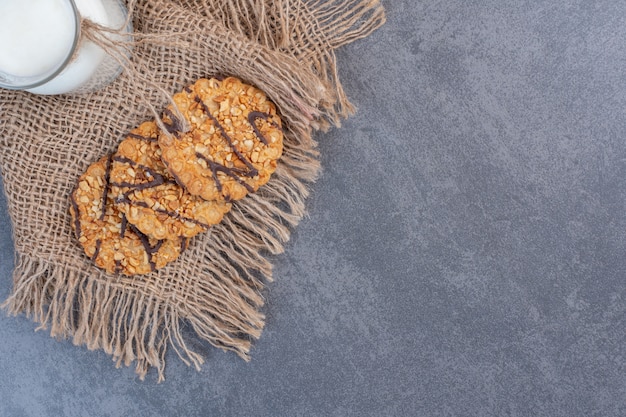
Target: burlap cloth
[{"x": 284, "y": 47}]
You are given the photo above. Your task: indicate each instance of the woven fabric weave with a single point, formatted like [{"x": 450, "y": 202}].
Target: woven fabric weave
[{"x": 284, "y": 47}]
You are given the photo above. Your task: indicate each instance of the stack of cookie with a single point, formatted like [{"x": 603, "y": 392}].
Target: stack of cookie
[{"x": 133, "y": 211}]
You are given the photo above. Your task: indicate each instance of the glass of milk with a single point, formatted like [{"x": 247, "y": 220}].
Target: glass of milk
[{"x": 42, "y": 51}]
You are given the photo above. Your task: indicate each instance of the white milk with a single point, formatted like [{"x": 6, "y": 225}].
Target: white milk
[
  {"x": 89, "y": 57},
  {"x": 46, "y": 30},
  {"x": 41, "y": 34}
]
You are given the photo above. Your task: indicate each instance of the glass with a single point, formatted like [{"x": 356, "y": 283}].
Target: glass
[{"x": 43, "y": 51}]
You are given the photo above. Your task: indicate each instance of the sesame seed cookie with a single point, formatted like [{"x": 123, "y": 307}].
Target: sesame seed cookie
[
  {"x": 105, "y": 234},
  {"x": 149, "y": 197},
  {"x": 233, "y": 144}
]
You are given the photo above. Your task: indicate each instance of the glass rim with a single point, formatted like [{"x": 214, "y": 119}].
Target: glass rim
[{"x": 63, "y": 64}]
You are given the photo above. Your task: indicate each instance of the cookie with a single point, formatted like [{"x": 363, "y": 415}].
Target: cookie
[
  {"x": 105, "y": 234},
  {"x": 146, "y": 193},
  {"x": 233, "y": 144}
]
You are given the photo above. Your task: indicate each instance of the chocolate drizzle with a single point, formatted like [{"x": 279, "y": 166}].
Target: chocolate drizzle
[
  {"x": 177, "y": 180},
  {"x": 139, "y": 137},
  {"x": 157, "y": 178},
  {"x": 234, "y": 173},
  {"x": 231, "y": 172},
  {"x": 125, "y": 199},
  {"x": 107, "y": 187},
  {"x": 176, "y": 126},
  {"x": 154, "y": 249},
  {"x": 97, "y": 251},
  {"x": 123, "y": 226},
  {"x": 137, "y": 187},
  {"x": 152, "y": 173},
  {"x": 105, "y": 194},
  {"x": 145, "y": 241},
  {"x": 253, "y": 172},
  {"x": 252, "y": 119},
  {"x": 118, "y": 267}
]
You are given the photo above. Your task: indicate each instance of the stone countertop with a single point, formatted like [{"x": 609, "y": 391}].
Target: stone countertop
[{"x": 463, "y": 253}]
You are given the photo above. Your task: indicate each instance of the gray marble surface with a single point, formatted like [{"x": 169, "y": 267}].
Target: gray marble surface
[{"x": 464, "y": 249}]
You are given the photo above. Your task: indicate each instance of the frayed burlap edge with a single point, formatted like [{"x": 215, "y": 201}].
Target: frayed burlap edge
[
  {"x": 312, "y": 36},
  {"x": 132, "y": 323}
]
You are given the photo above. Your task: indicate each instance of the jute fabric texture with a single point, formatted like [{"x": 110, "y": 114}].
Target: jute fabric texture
[{"x": 284, "y": 47}]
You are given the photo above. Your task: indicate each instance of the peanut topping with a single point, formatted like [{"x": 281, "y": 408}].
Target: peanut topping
[{"x": 234, "y": 144}]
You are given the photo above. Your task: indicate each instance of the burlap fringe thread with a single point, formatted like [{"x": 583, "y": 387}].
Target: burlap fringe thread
[{"x": 136, "y": 322}]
